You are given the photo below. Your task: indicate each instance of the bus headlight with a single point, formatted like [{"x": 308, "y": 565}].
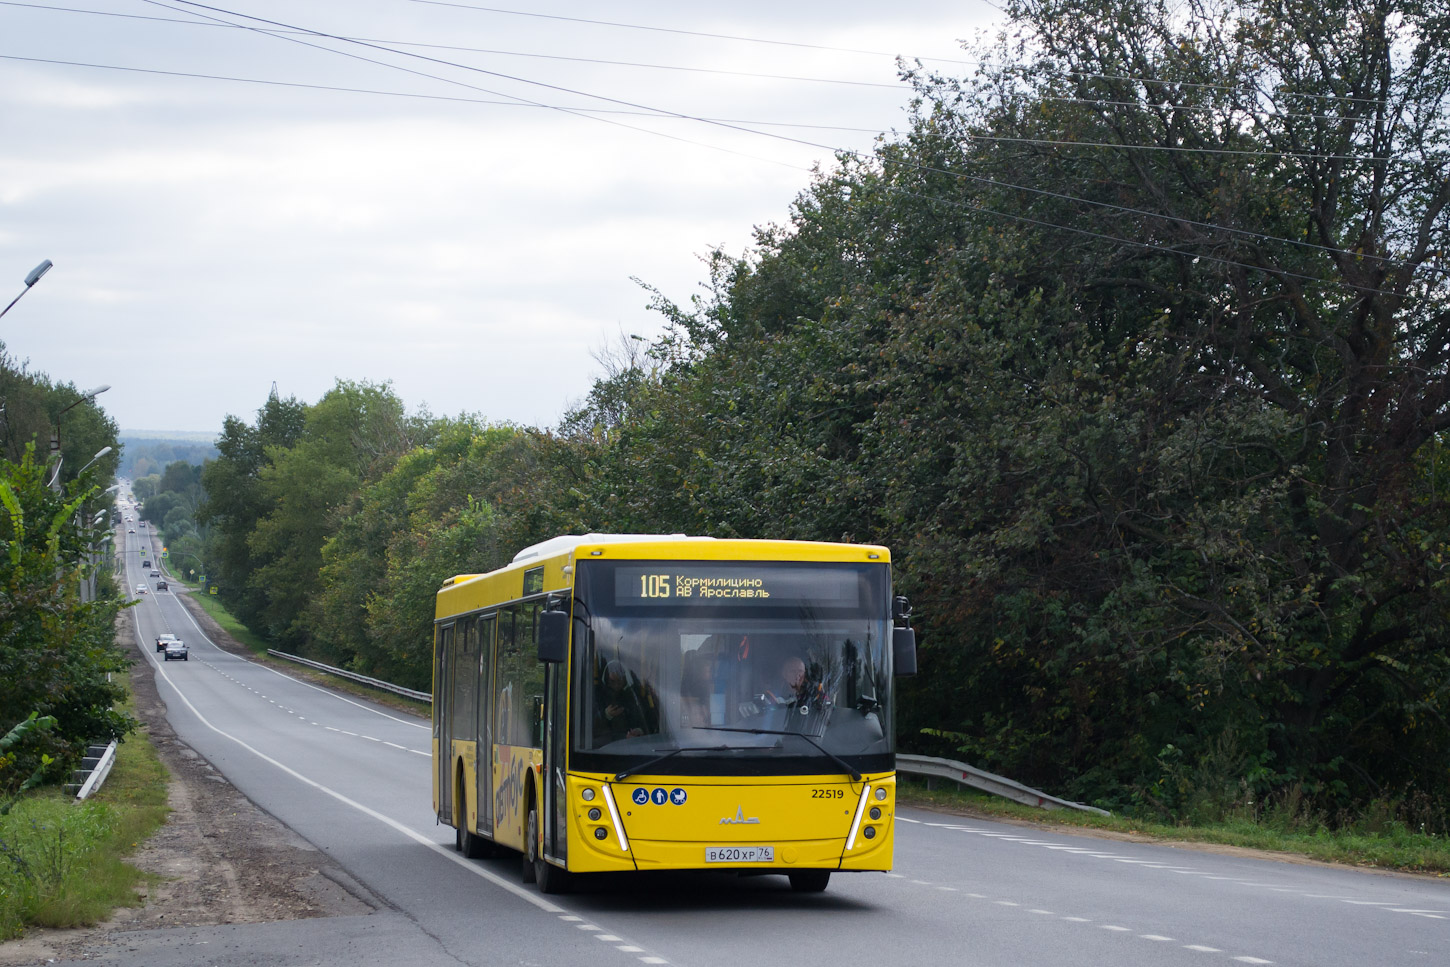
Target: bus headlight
[
  {"x": 587, "y": 794},
  {"x": 880, "y": 792}
]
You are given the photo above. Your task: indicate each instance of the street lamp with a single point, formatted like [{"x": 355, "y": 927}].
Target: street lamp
[
  {"x": 87, "y": 397},
  {"x": 99, "y": 454},
  {"x": 30, "y": 280}
]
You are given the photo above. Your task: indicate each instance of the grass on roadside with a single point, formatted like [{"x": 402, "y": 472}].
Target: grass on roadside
[
  {"x": 253, "y": 642},
  {"x": 62, "y": 862},
  {"x": 1386, "y": 846}
]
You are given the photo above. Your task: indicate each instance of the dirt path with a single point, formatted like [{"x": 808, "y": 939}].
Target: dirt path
[{"x": 220, "y": 859}]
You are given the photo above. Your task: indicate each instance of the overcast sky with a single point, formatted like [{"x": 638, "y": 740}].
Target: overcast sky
[{"x": 470, "y": 244}]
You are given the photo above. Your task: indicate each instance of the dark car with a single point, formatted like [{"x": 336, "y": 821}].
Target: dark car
[
  {"x": 176, "y": 648},
  {"x": 161, "y": 586},
  {"x": 163, "y": 640}
]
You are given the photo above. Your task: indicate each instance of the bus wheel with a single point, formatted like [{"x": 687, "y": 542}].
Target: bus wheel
[
  {"x": 809, "y": 881},
  {"x": 551, "y": 879}
]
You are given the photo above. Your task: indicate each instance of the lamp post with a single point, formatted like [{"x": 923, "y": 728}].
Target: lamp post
[
  {"x": 87, "y": 397},
  {"x": 30, "y": 280},
  {"x": 99, "y": 454}
]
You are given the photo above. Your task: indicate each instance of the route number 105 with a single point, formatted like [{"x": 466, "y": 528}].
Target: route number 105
[{"x": 654, "y": 585}]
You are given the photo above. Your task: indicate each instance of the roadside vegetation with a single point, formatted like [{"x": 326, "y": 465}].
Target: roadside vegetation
[
  {"x": 63, "y": 862},
  {"x": 1376, "y": 839}
]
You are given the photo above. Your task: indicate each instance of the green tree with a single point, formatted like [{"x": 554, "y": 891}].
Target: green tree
[
  {"x": 234, "y": 500},
  {"x": 56, "y": 651},
  {"x": 352, "y": 435}
]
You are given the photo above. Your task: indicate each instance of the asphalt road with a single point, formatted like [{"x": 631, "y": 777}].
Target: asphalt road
[{"x": 353, "y": 779}]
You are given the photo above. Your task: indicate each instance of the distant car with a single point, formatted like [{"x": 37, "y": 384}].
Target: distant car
[
  {"x": 140, "y": 589},
  {"x": 130, "y": 530},
  {"x": 155, "y": 574},
  {"x": 145, "y": 563},
  {"x": 176, "y": 648},
  {"x": 161, "y": 586},
  {"x": 163, "y": 640}
]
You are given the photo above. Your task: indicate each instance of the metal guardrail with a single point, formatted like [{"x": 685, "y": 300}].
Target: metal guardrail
[
  {"x": 935, "y": 768},
  {"x": 353, "y": 676},
  {"x": 94, "y": 767}
]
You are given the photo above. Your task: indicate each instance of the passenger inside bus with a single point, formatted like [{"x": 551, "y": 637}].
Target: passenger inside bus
[{"x": 694, "y": 691}]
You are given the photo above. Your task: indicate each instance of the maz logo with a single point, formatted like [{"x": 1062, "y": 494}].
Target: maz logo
[{"x": 739, "y": 818}]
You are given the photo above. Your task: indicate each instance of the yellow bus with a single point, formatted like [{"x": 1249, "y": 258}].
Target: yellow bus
[{"x": 618, "y": 702}]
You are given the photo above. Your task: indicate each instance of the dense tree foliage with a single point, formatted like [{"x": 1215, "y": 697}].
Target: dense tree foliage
[
  {"x": 58, "y": 604},
  {"x": 37, "y": 411},
  {"x": 1135, "y": 349},
  {"x": 56, "y": 647}
]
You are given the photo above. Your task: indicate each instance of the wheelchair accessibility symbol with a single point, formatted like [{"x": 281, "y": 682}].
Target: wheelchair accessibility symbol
[{"x": 641, "y": 796}]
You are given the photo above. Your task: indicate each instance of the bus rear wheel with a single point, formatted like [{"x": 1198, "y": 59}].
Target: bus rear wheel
[
  {"x": 809, "y": 881},
  {"x": 550, "y": 878},
  {"x": 469, "y": 844}
]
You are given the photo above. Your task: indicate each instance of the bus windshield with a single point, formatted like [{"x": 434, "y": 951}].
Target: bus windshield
[{"x": 733, "y": 668}]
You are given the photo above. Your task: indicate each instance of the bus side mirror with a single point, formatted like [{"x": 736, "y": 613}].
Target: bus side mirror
[
  {"x": 903, "y": 648},
  {"x": 553, "y": 636}
]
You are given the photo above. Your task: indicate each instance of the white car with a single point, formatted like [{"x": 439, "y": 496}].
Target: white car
[{"x": 140, "y": 589}]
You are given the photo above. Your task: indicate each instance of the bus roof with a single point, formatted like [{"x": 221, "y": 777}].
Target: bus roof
[{"x": 558, "y": 554}]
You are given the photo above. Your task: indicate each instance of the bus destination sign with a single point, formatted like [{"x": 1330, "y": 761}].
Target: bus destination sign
[{"x": 664, "y": 583}]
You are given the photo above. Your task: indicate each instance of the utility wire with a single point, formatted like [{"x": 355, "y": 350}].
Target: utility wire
[
  {"x": 448, "y": 80},
  {"x": 851, "y": 50},
  {"x": 670, "y": 30},
  {"x": 834, "y": 149},
  {"x": 473, "y": 50},
  {"x": 706, "y": 70},
  {"x": 526, "y": 102},
  {"x": 266, "y": 82},
  {"x": 675, "y": 114}
]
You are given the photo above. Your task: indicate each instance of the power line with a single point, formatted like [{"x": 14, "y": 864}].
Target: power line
[
  {"x": 671, "y": 30},
  {"x": 737, "y": 126},
  {"x": 474, "y": 50},
  {"x": 266, "y": 82},
  {"x": 834, "y": 149},
  {"x": 851, "y": 50}
]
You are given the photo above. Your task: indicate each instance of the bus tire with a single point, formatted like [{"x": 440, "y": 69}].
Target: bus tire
[
  {"x": 809, "y": 881},
  {"x": 470, "y": 844},
  {"x": 550, "y": 878}
]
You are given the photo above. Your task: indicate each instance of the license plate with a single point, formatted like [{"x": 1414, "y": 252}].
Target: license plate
[{"x": 739, "y": 854}]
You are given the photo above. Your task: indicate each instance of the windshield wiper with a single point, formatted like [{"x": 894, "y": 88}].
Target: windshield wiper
[
  {"x": 640, "y": 767},
  {"x": 845, "y": 766}
]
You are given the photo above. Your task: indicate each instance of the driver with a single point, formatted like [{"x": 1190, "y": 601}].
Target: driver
[
  {"x": 791, "y": 684},
  {"x": 618, "y": 711}
]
